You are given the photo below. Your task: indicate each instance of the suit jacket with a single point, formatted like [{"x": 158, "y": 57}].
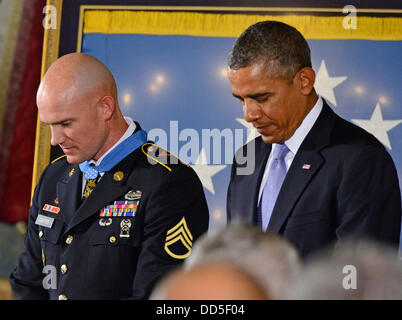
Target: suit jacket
[
  {"x": 350, "y": 190},
  {"x": 114, "y": 257}
]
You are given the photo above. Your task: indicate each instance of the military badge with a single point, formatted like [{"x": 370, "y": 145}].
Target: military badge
[
  {"x": 104, "y": 222},
  {"x": 71, "y": 172},
  {"x": 133, "y": 195},
  {"x": 125, "y": 226},
  {"x": 179, "y": 240}
]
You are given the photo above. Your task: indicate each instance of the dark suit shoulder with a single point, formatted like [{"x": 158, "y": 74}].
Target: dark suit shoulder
[{"x": 354, "y": 140}]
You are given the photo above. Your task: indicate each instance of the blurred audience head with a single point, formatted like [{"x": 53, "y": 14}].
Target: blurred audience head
[
  {"x": 270, "y": 259},
  {"x": 355, "y": 270},
  {"x": 210, "y": 281}
]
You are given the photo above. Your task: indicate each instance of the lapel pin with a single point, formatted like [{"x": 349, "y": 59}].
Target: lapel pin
[
  {"x": 56, "y": 201},
  {"x": 71, "y": 172},
  {"x": 133, "y": 195},
  {"x": 125, "y": 226},
  {"x": 306, "y": 166},
  {"x": 118, "y": 176}
]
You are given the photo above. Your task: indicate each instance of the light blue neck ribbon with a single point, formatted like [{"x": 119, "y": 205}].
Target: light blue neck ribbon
[{"x": 122, "y": 150}]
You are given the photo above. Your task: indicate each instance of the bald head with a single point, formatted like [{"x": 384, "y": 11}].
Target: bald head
[
  {"x": 214, "y": 281},
  {"x": 77, "y": 76},
  {"x": 77, "y": 97}
]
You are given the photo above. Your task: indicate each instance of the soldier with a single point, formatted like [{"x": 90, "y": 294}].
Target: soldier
[{"x": 112, "y": 215}]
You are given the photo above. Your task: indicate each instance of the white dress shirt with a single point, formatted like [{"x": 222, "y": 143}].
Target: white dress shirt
[
  {"x": 130, "y": 130},
  {"x": 294, "y": 142}
]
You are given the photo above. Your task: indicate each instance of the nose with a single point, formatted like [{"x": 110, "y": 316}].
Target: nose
[
  {"x": 57, "y": 136},
  {"x": 251, "y": 110}
]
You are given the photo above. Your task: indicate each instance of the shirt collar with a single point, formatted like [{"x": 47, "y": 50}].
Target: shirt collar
[
  {"x": 295, "y": 141},
  {"x": 130, "y": 130}
]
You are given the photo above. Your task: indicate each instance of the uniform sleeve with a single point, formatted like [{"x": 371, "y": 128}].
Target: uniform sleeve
[
  {"x": 26, "y": 279},
  {"x": 175, "y": 216},
  {"x": 370, "y": 198}
]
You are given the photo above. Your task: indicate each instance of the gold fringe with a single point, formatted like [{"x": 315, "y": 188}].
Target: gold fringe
[{"x": 231, "y": 25}]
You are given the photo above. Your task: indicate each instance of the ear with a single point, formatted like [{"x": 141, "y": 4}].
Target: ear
[
  {"x": 108, "y": 105},
  {"x": 307, "y": 79}
]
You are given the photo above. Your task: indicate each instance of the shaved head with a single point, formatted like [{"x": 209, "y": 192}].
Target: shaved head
[
  {"x": 77, "y": 98},
  {"x": 77, "y": 76}
]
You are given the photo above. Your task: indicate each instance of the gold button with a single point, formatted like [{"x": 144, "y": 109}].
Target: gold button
[
  {"x": 62, "y": 297},
  {"x": 118, "y": 176},
  {"x": 69, "y": 239},
  {"x": 112, "y": 239},
  {"x": 40, "y": 234},
  {"x": 63, "y": 269}
]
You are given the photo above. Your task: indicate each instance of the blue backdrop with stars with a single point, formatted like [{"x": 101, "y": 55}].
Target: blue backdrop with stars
[{"x": 182, "y": 78}]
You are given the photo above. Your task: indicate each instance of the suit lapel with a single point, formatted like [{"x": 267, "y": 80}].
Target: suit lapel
[
  {"x": 247, "y": 202},
  {"x": 68, "y": 199},
  {"x": 297, "y": 178}
]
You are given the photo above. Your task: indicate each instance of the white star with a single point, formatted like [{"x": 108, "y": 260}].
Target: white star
[
  {"x": 377, "y": 126},
  {"x": 324, "y": 84},
  {"x": 253, "y": 133},
  {"x": 205, "y": 172}
]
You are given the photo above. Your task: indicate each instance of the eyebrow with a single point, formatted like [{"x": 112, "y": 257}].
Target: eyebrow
[
  {"x": 252, "y": 96},
  {"x": 58, "y": 122}
]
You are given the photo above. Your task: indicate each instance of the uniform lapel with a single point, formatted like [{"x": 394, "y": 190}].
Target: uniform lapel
[
  {"x": 68, "y": 199},
  {"x": 107, "y": 190},
  {"x": 297, "y": 179}
]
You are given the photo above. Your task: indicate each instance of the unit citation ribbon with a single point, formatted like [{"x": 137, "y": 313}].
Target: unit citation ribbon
[{"x": 50, "y": 208}]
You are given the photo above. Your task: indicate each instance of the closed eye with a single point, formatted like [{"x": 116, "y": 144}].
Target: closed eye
[{"x": 65, "y": 124}]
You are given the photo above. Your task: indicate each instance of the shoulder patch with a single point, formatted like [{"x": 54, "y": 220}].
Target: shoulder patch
[
  {"x": 59, "y": 158},
  {"x": 160, "y": 155}
]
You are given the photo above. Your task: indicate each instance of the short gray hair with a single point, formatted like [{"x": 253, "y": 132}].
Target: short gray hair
[
  {"x": 271, "y": 260},
  {"x": 279, "y": 46},
  {"x": 377, "y": 269}
]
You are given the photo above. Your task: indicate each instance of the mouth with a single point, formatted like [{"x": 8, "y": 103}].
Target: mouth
[
  {"x": 67, "y": 150},
  {"x": 263, "y": 128}
]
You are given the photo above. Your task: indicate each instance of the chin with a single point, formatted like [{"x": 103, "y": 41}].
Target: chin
[
  {"x": 271, "y": 139},
  {"x": 73, "y": 160}
]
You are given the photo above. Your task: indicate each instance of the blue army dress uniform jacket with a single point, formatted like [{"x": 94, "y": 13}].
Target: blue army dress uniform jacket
[{"x": 98, "y": 256}]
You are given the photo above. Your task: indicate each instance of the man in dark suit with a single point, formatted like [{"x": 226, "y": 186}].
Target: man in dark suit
[
  {"x": 325, "y": 179},
  {"x": 115, "y": 213}
]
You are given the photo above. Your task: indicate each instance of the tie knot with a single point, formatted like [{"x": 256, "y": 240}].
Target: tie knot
[{"x": 280, "y": 151}]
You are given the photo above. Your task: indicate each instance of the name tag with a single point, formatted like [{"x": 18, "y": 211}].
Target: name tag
[{"x": 44, "y": 221}]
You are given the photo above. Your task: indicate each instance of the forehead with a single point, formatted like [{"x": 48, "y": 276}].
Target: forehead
[
  {"x": 54, "y": 108},
  {"x": 253, "y": 79}
]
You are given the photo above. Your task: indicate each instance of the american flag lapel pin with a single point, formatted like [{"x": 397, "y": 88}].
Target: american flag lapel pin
[{"x": 306, "y": 166}]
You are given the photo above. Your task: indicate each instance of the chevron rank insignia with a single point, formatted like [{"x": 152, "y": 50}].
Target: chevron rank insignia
[{"x": 179, "y": 241}]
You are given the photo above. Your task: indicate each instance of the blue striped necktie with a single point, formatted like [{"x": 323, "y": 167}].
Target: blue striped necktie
[{"x": 276, "y": 175}]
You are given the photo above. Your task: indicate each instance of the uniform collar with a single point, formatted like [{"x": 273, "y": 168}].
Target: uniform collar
[{"x": 130, "y": 130}]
